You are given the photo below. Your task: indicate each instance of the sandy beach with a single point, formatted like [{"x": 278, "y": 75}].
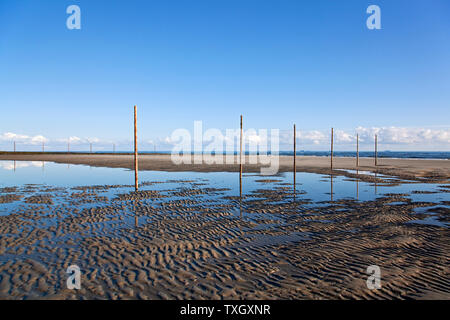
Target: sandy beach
[
  {"x": 193, "y": 239},
  {"x": 420, "y": 169}
]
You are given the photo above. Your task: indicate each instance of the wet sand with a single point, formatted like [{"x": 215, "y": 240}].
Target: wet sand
[
  {"x": 416, "y": 169},
  {"x": 174, "y": 244}
]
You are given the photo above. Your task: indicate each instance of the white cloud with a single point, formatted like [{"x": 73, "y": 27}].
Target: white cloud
[
  {"x": 9, "y": 136},
  {"x": 77, "y": 140},
  {"x": 407, "y": 136},
  {"x": 412, "y": 138},
  {"x": 397, "y": 138},
  {"x": 315, "y": 137}
]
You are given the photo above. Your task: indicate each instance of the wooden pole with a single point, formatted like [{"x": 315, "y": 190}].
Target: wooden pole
[
  {"x": 332, "y": 134},
  {"x": 114, "y": 148},
  {"x": 357, "y": 150},
  {"x": 136, "y": 184},
  {"x": 295, "y": 150},
  {"x": 90, "y": 148},
  {"x": 240, "y": 162},
  {"x": 295, "y": 157},
  {"x": 43, "y": 146},
  {"x": 68, "y": 146},
  {"x": 376, "y": 151},
  {"x": 14, "y": 146},
  {"x": 240, "y": 153}
]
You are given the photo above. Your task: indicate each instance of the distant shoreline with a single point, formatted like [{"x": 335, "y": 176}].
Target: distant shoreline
[{"x": 440, "y": 155}]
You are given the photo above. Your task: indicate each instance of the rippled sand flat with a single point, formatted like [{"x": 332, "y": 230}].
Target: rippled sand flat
[{"x": 198, "y": 242}]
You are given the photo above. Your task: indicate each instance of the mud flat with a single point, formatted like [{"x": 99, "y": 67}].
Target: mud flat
[
  {"x": 416, "y": 169},
  {"x": 194, "y": 242}
]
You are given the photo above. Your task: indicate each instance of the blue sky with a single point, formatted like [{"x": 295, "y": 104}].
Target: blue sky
[{"x": 314, "y": 63}]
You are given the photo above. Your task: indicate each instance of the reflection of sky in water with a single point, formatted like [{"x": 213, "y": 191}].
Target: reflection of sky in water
[{"x": 315, "y": 187}]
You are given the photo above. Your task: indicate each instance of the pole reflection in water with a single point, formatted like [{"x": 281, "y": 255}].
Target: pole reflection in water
[
  {"x": 294, "y": 173},
  {"x": 375, "y": 183},
  {"x": 357, "y": 185},
  {"x": 240, "y": 190},
  {"x": 136, "y": 219},
  {"x": 331, "y": 184},
  {"x": 14, "y": 165}
]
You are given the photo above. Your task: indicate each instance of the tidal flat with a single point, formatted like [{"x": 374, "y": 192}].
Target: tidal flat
[{"x": 195, "y": 235}]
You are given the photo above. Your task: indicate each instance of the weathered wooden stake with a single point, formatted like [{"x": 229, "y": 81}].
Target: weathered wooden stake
[
  {"x": 240, "y": 153},
  {"x": 114, "y": 148},
  {"x": 295, "y": 151},
  {"x": 136, "y": 184},
  {"x": 332, "y": 134},
  {"x": 43, "y": 146},
  {"x": 240, "y": 162},
  {"x": 295, "y": 157},
  {"x": 376, "y": 150},
  {"x": 14, "y": 146},
  {"x": 90, "y": 148},
  {"x": 357, "y": 150}
]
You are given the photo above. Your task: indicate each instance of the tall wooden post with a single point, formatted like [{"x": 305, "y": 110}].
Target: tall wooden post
[
  {"x": 240, "y": 161},
  {"x": 295, "y": 157},
  {"x": 68, "y": 146},
  {"x": 43, "y": 146},
  {"x": 295, "y": 150},
  {"x": 357, "y": 150},
  {"x": 376, "y": 150},
  {"x": 240, "y": 152},
  {"x": 136, "y": 184},
  {"x": 90, "y": 147},
  {"x": 332, "y": 135},
  {"x": 114, "y": 148},
  {"x": 14, "y": 146}
]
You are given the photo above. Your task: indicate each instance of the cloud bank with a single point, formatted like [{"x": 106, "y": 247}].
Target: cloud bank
[{"x": 395, "y": 138}]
